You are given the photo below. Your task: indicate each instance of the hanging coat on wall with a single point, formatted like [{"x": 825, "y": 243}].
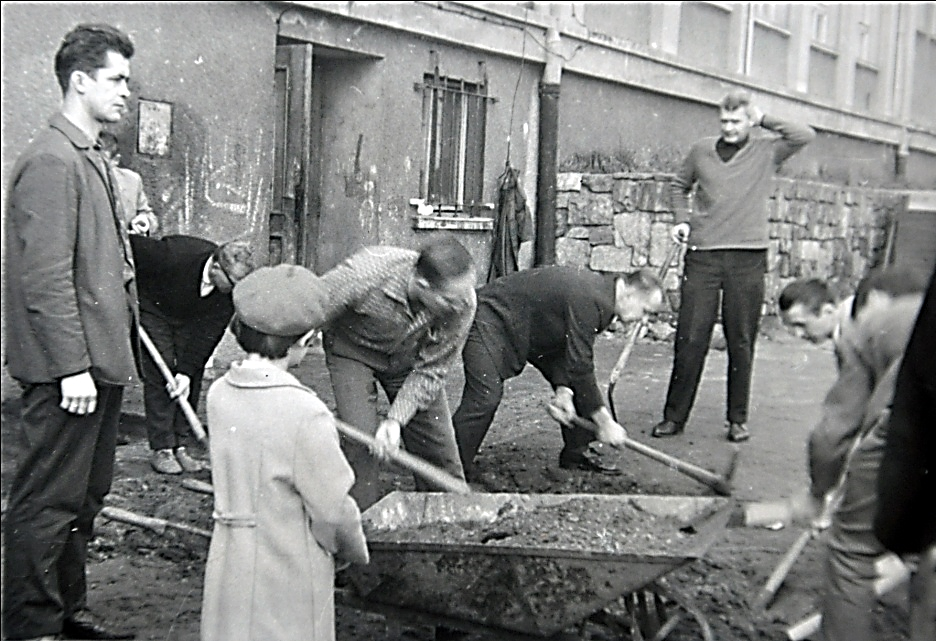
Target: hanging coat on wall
[{"x": 513, "y": 225}]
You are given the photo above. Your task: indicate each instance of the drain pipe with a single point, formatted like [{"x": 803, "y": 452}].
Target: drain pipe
[{"x": 545, "y": 248}]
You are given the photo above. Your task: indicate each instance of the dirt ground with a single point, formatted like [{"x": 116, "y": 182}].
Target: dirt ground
[{"x": 152, "y": 582}]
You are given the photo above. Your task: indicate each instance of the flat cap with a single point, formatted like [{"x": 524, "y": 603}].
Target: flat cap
[{"x": 285, "y": 300}]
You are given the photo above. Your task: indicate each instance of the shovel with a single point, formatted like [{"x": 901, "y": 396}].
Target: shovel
[{"x": 721, "y": 484}]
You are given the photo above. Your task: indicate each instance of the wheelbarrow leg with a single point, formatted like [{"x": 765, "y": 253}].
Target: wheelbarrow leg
[{"x": 685, "y": 603}]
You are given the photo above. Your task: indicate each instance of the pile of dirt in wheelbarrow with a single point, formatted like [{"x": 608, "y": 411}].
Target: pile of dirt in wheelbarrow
[{"x": 586, "y": 524}]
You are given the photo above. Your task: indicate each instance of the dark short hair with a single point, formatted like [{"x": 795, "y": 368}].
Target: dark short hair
[
  {"x": 811, "y": 293},
  {"x": 254, "y": 341},
  {"x": 894, "y": 280},
  {"x": 85, "y": 48},
  {"x": 236, "y": 259},
  {"x": 735, "y": 99},
  {"x": 443, "y": 258}
]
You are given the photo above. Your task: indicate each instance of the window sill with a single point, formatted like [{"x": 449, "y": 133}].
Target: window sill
[{"x": 460, "y": 223}]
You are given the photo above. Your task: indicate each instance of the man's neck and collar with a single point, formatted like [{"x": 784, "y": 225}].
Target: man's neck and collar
[{"x": 76, "y": 114}]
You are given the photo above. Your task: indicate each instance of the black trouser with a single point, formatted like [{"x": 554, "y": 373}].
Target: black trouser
[
  {"x": 737, "y": 276},
  {"x": 481, "y": 396},
  {"x": 166, "y": 425},
  {"x": 62, "y": 476}
]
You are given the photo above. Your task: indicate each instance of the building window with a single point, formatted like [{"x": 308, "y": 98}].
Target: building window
[
  {"x": 868, "y": 27},
  {"x": 773, "y": 14},
  {"x": 455, "y": 115},
  {"x": 825, "y": 25}
]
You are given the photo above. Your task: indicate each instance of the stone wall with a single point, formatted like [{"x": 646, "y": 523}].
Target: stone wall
[{"x": 620, "y": 222}]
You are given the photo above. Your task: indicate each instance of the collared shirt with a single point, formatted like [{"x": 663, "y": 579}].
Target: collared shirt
[
  {"x": 371, "y": 319},
  {"x": 206, "y": 285}
]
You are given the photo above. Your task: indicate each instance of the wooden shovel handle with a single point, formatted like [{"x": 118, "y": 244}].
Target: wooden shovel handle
[
  {"x": 187, "y": 409},
  {"x": 720, "y": 484},
  {"x": 415, "y": 464}
]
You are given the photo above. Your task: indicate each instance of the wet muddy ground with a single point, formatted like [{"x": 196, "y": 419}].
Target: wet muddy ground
[{"x": 152, "y": 581}]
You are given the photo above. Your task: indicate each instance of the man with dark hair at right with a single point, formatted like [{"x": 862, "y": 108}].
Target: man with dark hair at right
[
  {"x": 727, "y": 233},
  {"x": 398, "y": 317},
  {"x": 70, "y": 307},
  {"x": 905, "y": 522}
]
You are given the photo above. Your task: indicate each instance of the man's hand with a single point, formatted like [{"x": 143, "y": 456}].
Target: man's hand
[
  {"x": 806, "y": 509},
  {"x": 612, "y": 433},
  {"x": 182, "y": 386},
  {"x": 387, "y": 439},
  {"x": 680, "y": 233},
  {"x": 609, "y": 431},
  {"x": 755, "y": 114},
  {"x": 143, "y": 224},
  {"x": 561, "y": 407},
  {"x": 79, "y": 394}
]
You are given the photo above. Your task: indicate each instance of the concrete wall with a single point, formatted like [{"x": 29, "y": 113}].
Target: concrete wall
[
  {"x": 621, "y": 222},
  {"x": 215, "y": 182}
]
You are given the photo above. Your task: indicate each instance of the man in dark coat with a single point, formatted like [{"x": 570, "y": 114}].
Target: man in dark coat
[
  {"x": 185, "y": 305},
  {"x": 70, "y": 312},
  {"x": 548, "y": 317}
]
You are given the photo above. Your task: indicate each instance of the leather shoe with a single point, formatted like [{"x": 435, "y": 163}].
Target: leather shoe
[
  {"x": 667, "y": 428},
  {"x": 589, "y": 463},
  {"x": 737, "y": 432},
  {"x": 84, "y": 625}
]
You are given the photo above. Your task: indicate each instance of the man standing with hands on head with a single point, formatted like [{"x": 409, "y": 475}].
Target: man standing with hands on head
[
  {"x": 71, "y": 317},
  {"x": 727, "y": 233}
]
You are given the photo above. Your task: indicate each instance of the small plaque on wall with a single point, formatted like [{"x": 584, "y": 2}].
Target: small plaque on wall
[{"x": 154, "y": 127}]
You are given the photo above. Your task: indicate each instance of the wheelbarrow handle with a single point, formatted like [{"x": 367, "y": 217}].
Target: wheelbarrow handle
[
  {"x": 415, "y": 464},
  {"x": 183, "y": 402}
]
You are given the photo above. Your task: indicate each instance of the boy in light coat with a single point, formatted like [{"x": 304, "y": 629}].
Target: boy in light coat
[{"x": 283, "y": 515}]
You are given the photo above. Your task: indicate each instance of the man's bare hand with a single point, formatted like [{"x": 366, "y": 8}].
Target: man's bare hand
[
  {"x": 182, "y": 387},
  {"x": 756, "y": 115},
  {"x": 79, "y": 394},
  {"x": 612, "y": 433},
  {"x": 680, "y": 233},
  {"x": 561, "y": 407},
  {"x": 387, "y": 439}
]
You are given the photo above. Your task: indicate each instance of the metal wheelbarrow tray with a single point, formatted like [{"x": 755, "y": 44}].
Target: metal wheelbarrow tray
[{"x": 533, "y": 564}]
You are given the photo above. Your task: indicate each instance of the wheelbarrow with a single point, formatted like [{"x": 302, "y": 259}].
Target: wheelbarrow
[{"x": 533, "y": 566}]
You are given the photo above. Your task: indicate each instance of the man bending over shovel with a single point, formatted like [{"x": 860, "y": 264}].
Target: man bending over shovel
[
  {"x": 856, "y": 407},
  {"x": 549, "y": 317}
]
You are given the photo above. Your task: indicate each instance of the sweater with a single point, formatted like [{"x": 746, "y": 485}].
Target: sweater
[{"x": 730, "y": 203}]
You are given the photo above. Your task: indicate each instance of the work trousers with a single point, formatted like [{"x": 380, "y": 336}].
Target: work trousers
[
  {"x": 736, "y": 276},
  {"x": 429, "y": 435},
  {"x": 482, "y": 394},
  {"x": 166, "y": 425},
  {"x": 62, "y": 477},
  {"x": 848, "y": 600}
]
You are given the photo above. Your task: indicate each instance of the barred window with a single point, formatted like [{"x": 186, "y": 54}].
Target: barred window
[{"x": 455, "y": 113}]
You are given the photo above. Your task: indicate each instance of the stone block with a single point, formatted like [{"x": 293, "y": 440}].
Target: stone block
[
  {"x": 606, "y": 258},
  {"x": 625, "y": 198},
  {"x": 590, "y": 209},
  {"x": 562, "y": 199},
  {"x": 562, "y": 222},
  {"x": 569, "y": 182},
  {"x": 572, "y": 252},
  {"x": 598, "y": 183},
  {"x": 578, "y": 233},
  {"x": 601, "y": 236},
  {"x": 632, "y": 230}
]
